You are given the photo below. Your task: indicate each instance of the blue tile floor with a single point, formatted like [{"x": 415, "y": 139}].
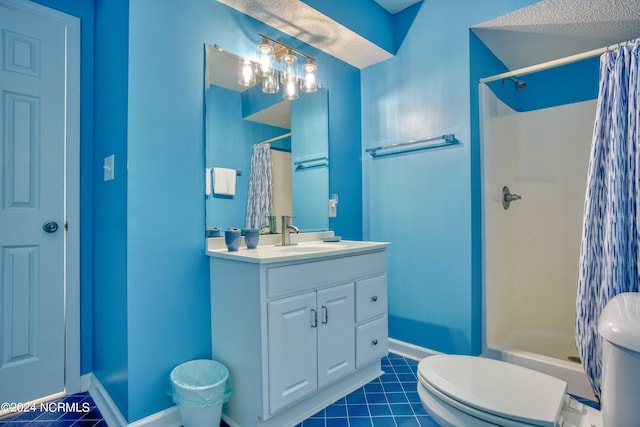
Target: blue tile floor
[
  {"x": 78, "y": 410},
  {"x": 389, "y": 401}
]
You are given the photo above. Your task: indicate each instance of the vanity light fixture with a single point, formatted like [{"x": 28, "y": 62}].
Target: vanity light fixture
[{"x": 271, "y": 51}]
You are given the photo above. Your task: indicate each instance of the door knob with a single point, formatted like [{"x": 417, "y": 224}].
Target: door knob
[{"x": 50, "y": 226}]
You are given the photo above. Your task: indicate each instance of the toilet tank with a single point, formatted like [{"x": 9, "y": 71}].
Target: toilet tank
[{"x": 619, "y": 326}]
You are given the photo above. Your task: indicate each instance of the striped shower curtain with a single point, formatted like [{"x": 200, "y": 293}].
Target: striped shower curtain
[
  {"x": 259, "y": 197},
  {"x": 609, "y": 253}
]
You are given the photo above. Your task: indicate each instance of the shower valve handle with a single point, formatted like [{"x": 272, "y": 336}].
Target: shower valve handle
[{"x": 508, "y": 197}]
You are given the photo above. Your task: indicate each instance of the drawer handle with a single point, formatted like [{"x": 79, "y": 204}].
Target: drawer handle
[
  {"x": 374, "y": 342},
  {"x": 374, "y": 298}
]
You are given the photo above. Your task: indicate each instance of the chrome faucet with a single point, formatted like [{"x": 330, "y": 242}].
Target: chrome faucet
[
  {"x": 286, "y": 227},
  {"x": 271, "y": 228}
]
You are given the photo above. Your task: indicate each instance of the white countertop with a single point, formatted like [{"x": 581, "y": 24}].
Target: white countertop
[{"x": 304, "y": 249}]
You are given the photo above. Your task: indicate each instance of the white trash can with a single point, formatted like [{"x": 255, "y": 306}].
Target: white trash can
[{"x": 200, "y": 388}]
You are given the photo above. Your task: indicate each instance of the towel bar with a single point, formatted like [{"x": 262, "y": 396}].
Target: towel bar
[{"x": 449, "y": 139}]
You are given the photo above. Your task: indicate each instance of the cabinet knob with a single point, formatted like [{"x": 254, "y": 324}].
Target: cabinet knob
[
  {"x": 374, "y": 342},
  {"x": 374, "y": 298}
]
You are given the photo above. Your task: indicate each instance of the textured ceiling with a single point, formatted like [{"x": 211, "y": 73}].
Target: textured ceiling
[
  {"x": 546, "y": 30},
  {"x": 301, "y": 21},
  {"x": 552, "y": 29}
]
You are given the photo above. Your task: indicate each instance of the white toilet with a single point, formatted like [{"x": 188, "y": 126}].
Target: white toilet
[{"x": 474, "y": 391}]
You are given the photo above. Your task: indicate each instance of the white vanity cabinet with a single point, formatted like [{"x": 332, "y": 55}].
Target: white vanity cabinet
[
  {"x": 310, "y": 342},
  {"x": 299, "y": 332}
]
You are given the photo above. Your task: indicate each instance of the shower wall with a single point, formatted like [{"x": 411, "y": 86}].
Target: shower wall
[{"x": 531, "y": 250}]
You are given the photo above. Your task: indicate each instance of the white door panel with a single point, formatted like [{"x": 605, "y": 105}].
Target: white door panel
[{"x": 32, "y": 180}]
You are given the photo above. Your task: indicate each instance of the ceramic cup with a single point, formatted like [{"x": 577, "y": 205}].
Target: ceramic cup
[
  {"x": 213, "y": 232},
  {"x": 251, "y": 237},
  {"x": 232, "y": 238}
]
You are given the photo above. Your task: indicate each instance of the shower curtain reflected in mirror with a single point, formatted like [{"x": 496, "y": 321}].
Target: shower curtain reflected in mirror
[
  {"x": 609, "y": 254},
  {"x": 259, "y": 196}
]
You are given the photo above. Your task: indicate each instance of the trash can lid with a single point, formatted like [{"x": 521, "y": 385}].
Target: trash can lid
[{"x": 619, "y": 322}]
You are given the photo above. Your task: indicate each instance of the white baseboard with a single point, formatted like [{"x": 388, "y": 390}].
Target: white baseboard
[
  {"x": 169, "y": 417},
  {"x": 85, "y": 382},
  {"x": 409, "y": 350},
  {"x": 105, "y": 404}
]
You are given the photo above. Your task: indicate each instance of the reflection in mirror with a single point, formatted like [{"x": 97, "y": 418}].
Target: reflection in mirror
[{"x": 296, "y": 134}]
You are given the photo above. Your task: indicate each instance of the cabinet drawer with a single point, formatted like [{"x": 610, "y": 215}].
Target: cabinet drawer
[
  {"x": 306, "y": 276},
  {"x": 371, "y": 341},
  {"x": 371, "y": 298}
]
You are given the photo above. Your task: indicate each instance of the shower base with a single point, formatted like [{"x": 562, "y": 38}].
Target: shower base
[{"x": 545, "y": 352}]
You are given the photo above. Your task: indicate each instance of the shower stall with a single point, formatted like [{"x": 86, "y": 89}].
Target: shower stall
[{"x": 531, "y": 244}]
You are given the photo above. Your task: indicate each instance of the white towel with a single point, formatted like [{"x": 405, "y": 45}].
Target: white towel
[{"x": 224, "y": 181}]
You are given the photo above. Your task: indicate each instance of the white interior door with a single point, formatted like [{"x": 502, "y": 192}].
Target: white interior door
[{"x": 33, "y": 86}]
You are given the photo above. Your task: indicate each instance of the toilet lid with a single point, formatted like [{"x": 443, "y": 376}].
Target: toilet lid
[{"x": 495, "y": 388}]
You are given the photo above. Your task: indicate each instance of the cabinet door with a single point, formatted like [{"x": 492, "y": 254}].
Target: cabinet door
[
  {"x": 336, "y": 333},
  {"x": 292, "y": 349}
]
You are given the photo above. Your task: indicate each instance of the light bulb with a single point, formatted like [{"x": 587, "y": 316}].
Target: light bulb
[
  {"x": 308, "y": 84},
  {"x": 289, "y": 67},
  {"x": 266, "y": 57},
  {"x": 290, "y": 90},
  {"x": 247, "y": 76},
  {"x": 270, "y": 83}
]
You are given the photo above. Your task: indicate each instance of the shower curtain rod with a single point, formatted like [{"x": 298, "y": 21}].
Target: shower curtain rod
[
  {"x": 276, "y": 138},
  {"x": 556, "y": 62}
]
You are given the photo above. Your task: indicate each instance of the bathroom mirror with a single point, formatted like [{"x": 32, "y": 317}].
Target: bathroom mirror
[{"x": 237, "y": 117}]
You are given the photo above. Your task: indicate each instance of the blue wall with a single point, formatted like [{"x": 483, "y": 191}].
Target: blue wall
[
  {"x": 110, "y": 346},
  {"x": 167, "y": 271},
  {"x": 566, "y": 84},
  {"x": 421, "y": 202}
]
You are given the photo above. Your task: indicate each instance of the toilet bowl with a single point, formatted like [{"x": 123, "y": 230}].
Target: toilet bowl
[{"x": 474, "y": 391}]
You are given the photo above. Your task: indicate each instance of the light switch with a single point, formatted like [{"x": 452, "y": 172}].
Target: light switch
[
  {"x": 333, "y": 206},
  {"x": 109, "y": 168}
]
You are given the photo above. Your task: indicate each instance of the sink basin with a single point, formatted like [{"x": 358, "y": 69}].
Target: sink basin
[{"x": 305, "y": 248}]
